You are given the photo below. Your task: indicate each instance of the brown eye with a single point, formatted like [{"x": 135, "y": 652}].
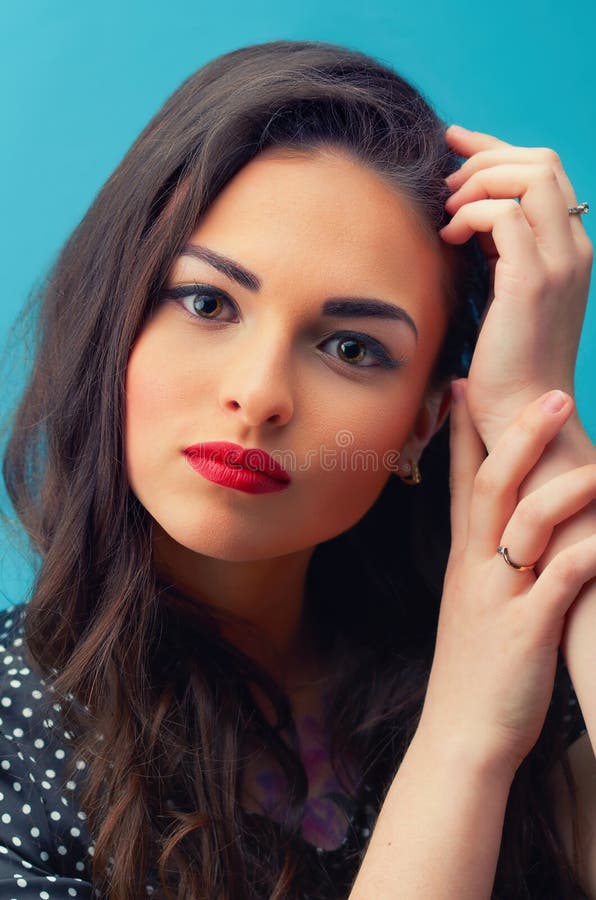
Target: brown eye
[
  {"x": 201, "y": 302},
  {"x": 349, "y": 350},
  {"x": 207, "y": 305}
]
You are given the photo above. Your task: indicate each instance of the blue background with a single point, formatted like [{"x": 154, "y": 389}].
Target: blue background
[{"x": 80, "y": 82}]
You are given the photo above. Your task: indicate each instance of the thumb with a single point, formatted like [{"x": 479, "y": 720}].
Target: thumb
[{"x": 467, "y": 453}]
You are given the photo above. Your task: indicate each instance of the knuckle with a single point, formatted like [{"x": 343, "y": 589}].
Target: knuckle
[
  {"x": 546, "y": 172},
  {"x": 529, "y": 513},
  {"x": 485, "y": 483},
  {"x": 563, "y": 271},
  {"x": 510, "y": 208},
  {"x": 527, "y": 428},
  {"x": 565, "y": 566},
  {"x": 550, "y": 157}
]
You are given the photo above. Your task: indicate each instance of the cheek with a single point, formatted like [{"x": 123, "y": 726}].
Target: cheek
[
  {"x": 356, "y": 461},
  {"x": 149, "y": 398}
]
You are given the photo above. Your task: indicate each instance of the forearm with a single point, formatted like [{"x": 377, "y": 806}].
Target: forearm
[
  {"x": 571, "y": 448},
  {"x": 439, "y": 830}
]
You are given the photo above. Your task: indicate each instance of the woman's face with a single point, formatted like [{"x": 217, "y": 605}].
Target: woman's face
[{"x": 264, "y": 368}]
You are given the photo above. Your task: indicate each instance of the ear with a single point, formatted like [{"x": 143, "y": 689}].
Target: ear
[{"x": 429, "y": 419}]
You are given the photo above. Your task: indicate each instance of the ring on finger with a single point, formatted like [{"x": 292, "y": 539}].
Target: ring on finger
[{"x": 502, "y": 551}]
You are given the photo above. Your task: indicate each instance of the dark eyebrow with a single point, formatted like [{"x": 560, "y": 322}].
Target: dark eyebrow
[{"x": 369, "y": 307}]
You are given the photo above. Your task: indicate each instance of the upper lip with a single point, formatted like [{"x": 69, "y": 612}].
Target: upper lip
[{"x": 253, "y": 459}]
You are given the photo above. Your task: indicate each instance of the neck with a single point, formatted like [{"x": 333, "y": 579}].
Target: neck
[{"x": 259, "y": 603}]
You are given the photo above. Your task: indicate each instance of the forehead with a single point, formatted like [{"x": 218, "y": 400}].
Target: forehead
[{"x": 327, "y": 198}]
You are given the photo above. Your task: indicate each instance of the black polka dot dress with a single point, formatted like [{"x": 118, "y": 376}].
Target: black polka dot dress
[{"x": 45, "y": 845}]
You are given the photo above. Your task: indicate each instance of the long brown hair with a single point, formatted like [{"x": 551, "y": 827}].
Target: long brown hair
[{"x": 157, "y": 702}]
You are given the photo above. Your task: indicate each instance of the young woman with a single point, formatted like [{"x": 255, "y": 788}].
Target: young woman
[{"x": 235, "y": 462}]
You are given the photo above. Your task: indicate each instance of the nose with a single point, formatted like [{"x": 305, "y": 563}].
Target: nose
[{"x": 258, "y": 391}]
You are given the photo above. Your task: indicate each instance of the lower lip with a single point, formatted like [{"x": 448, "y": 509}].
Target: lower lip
[{"x": 241, "y": 479}]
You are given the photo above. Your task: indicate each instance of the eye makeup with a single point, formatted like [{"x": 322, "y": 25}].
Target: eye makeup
[{"x": 211, "y": 294}]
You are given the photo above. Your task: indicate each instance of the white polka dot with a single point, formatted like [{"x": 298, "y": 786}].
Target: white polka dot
[
  {"x": 43, "y": 855},
  {"x": 27, "y": 712},
  {"x": 16, "y": 841},
  {"x": 59, "y": 754},
  {"x": 37, "y": 694},
  {"x": 8, "y": 660},
  {"x": 6, "y": 818},
  {"x": 18, "y": 732},
  {"x": 55, "y": 816},
  {"x": 44, "y": 895},
  {"x": 50, "y": 773},
  {"x": 46, "y": 785},
  {"x": 16, "y": 786},
  {"x": 62, "y": 850},
  {"x": 15, "y": 683},
  {"x": 75, "y": 831},
  {"x": 6, "y": 701},
  {"x": 5, "y": 765},
  {"x": 81, "y": 763},
  {"x": 39, "y": 743},
  {"x": 21, "y": 882},
  {"x": 34, "y": 831}
]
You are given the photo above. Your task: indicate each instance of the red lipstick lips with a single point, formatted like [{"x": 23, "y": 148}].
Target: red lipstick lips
[{"x": 246, "y": 469}]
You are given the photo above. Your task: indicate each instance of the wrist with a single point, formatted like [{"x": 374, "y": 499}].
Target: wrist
[{"x": 453, "y": 752}]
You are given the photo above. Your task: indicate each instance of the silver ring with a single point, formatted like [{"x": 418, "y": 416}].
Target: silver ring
[
  {"x": 578, "y": 210},
  {"x": 505, "y": 555}
]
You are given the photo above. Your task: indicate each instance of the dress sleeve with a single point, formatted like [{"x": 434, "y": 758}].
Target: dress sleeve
[{"x": 31, "y": 866}]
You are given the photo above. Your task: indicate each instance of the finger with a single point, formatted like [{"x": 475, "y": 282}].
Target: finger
[
  {"x": 497, "y": 481},
  {"x": 530, "y": 528},
  {"x": 486, "y": 159},
  {"x": 541, "y": 200},
  {"x": 467, "y": 452},
  {"x": 511, "y": 231},
  {"x": 466, "y": 142},
  {"x": 559, "y": 583}
]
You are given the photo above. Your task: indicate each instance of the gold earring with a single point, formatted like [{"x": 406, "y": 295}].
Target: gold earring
[{"x": 414, "y": 477}]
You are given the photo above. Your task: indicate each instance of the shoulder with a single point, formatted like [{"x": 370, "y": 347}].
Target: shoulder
[
  {"x": 582, "y": 762},
  {"x": 26, "y": 702},
  {"x": 38, "y": 803}
]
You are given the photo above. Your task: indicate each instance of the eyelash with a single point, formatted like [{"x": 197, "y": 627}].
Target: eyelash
[{"x": 374, "y": 347}]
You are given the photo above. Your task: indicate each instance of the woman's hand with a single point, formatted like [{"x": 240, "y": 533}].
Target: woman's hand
[
  {"x": 499, "y": 629},
  {"x": 540, "y": 259}
]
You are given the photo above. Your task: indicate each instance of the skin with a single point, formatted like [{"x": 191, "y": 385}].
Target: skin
[
  {"x": 310, "y": 226},
  {"x": 248, "y": 554}
]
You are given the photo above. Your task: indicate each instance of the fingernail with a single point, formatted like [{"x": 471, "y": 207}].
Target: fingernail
[{"x": 554, "y": 401}]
